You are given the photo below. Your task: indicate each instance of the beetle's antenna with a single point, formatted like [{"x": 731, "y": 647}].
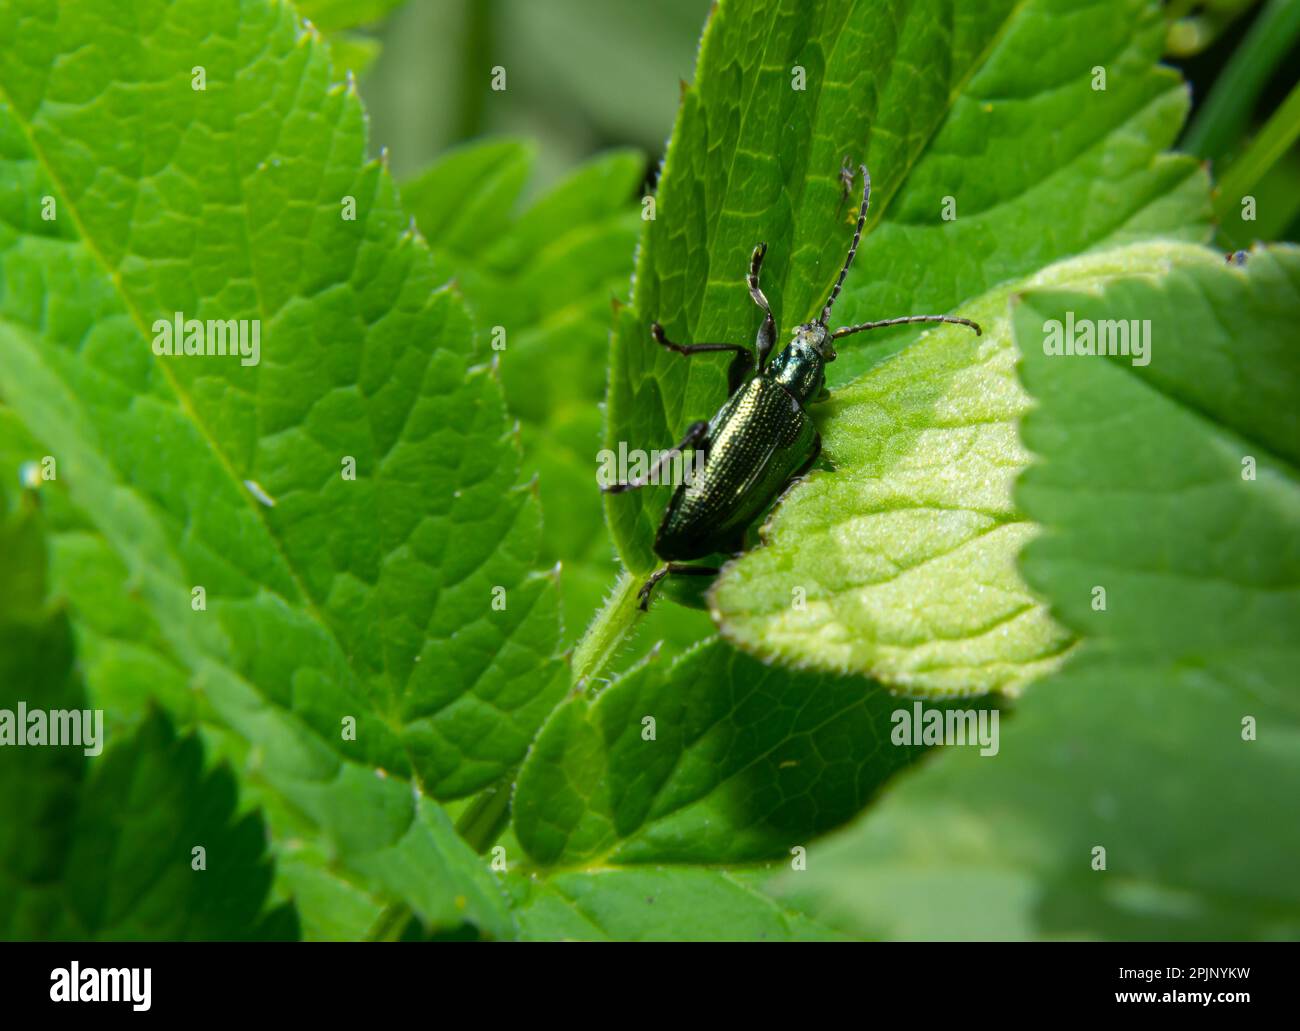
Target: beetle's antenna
[
  {"x": 853, "y": 249},
  {"x": 903, "y": 321}
]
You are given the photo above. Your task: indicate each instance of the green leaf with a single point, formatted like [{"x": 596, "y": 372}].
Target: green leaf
[
  {"x": 101, "y": 848},
  {"x": 120, "y": 647},
  {"x": 540, "y": 286},
  {"x": 545, "y": 280},
  {"x": 1140, "y": 745},
  {"x": 463, "y": 203},
  {"x": 661, "y": 904},
  {"x": 901, "y": 563},
  {"x": 715, "y": 758},
  {"x": 368, "y": 598},
  {"x": 939, "y": 103}
]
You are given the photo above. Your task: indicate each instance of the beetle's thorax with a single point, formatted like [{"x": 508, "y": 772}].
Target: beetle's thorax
[{"x": 801, "y": 367}]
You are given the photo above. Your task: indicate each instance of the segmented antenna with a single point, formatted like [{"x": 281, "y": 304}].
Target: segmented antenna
[
  {"x": 853, "y": 250},
  {"x": 905, "y": 320}
]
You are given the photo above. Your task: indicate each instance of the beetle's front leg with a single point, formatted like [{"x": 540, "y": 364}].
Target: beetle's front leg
[
  {"x": 740, "y": 365},
  {"x": 657, "y": 331},
  {"x": 696, "y": 437},
  {"x": 673, "y": 569}
]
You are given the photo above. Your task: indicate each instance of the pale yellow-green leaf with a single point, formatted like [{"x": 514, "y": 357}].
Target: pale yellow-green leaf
[{"x": 901, "y": 563}]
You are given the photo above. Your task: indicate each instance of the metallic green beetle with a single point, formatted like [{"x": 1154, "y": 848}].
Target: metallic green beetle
[{"x": 762, "y": 439}]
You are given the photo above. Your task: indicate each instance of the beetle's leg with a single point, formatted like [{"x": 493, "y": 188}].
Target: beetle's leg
[
  {"x": 767, "y": 331},
  {"x": 737, "y": 372},
  {"x": 695, "y": 437},
  {"x": 674, "y": 569},
  {"x": 657, "y": 331}
]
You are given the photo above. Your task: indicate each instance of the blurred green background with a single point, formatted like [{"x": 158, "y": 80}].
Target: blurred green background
[
  {"x": 587, "y": 75},
  {"x": 582, "y": 76}
]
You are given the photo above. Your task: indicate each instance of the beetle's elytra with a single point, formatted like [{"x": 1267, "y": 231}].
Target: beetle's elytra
[{"x": 762, "y": 438}]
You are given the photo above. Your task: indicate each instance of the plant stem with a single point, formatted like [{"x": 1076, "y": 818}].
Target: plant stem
[
  {"x": 607, "y": 631},
  {"x": 1226, "y": 111},
  {"x": 486, "y": 817},
  {"x": 476, "y": 51},
  {"x": 1244, "y": 174},
  {"x": 390, "y": 924}
]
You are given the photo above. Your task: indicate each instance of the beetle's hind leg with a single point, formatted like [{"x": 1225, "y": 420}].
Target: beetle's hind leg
[
  {"x": 671, "y": 569},
  {"x": 695, "y": 437}
]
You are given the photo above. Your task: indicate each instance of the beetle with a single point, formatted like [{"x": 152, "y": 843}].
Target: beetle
[{"x": 762, "y": 439}]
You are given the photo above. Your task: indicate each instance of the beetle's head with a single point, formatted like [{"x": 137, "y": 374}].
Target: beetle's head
[
  {"x": 816, "y": 336},
  {"x": 801, "y": 367}
]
